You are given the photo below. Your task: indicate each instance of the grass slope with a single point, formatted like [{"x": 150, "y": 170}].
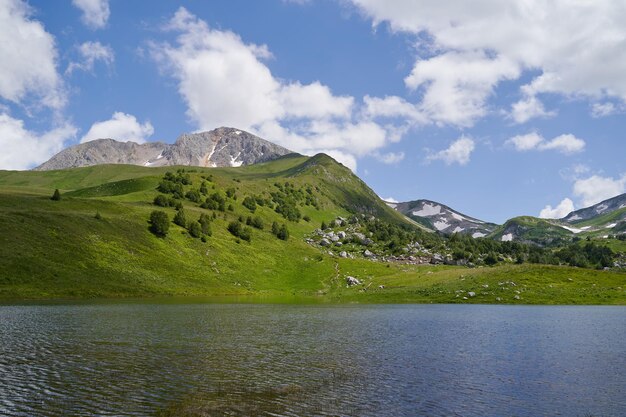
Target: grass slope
[{"x": 59, "y": 249}]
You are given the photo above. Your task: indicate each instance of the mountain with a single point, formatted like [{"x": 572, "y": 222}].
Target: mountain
[
  {"x": 600, "y": 210},
  {"x": 221, "y": 147},
  {"x": 439, "y": 217}
]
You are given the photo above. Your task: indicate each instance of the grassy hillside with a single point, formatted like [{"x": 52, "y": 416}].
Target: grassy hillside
[{"x": 96, "y": 242}]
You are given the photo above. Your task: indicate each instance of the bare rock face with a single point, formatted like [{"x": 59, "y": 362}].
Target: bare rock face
[{"x": 222, "y": 147}]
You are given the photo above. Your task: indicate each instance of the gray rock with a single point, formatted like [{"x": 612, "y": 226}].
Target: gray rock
[
  {"x": 343, "y": 254},
  {"x": 351, "y": 281},
  {"x": 324, "y": 242},
  {"x": 367, "y": 241},
  {"x": 367, "y": 253},
  {"x": 471, "y": 293},
  {"x": 341, "y": 234}
]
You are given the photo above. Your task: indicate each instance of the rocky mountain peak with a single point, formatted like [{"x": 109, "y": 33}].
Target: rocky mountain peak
[{"x": 221, "y": 147}]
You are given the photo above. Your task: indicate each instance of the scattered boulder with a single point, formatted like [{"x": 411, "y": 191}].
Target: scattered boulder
[
  {"x": 367, "y": 253},
  {"x": 381, "y": 287},
  {"x": 341, "y": 234},
  {"x": 324, "y": 242},
  {"x": 351, "y": 281},
  {"x": 471, "y": 294},
  {"x": 343, "y": 254},
  {"x": 367, "y": 241},
  {"x": 517, "y": 297}
]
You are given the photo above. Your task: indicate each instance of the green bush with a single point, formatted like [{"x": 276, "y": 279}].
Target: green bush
[
  {"x": 159, "y": 223},
  {"x": 194, "y": 229},
  {"x": 180, "y": 218},
  {"x": 237, "y": 229},
  {"x": 56, "y": 196}
]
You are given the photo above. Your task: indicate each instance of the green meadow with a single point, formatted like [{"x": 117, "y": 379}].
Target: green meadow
[{"x": 95, "y": 242}]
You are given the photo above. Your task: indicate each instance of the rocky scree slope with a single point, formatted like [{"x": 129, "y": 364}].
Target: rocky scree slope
[{"x": 221, "y": 147}]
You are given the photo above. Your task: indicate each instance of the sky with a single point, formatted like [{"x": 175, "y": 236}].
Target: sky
[{"x": 497, "y": 109}]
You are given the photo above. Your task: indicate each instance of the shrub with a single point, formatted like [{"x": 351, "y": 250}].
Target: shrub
[
  {"x": 56, "y": 196},
  {"x": 205, "y": 224},
  {"x": 238, "y": 230},
  {"x": 97, "y": 216},
  {"x": 193, "y": 195},
  {"x": 194, "y": 229},
  {"x": 256, "y": 222},
  {"x": 161, "y": 200},
  {"x": 159, "y": 223},
  {"x": 283, "y": 233},
  {"x": 180, "y": 218},
  {"x": 249, "y": 203}
]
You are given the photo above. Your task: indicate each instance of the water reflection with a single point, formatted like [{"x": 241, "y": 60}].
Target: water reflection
[{"x": 140, "y": 359}]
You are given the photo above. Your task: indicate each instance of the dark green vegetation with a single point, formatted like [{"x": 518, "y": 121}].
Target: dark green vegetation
[{"x": 254, "y": 231}]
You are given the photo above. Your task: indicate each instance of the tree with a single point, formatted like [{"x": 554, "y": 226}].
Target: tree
[
  {"x": 249, "y": 203},
  {"x": 159, "y": 223},
  {"x": 56, "y": 196},
  {"x": 283, "y": 233},
  {"x": 180, "y": 218},
  {"x": 194, "y": 229}
]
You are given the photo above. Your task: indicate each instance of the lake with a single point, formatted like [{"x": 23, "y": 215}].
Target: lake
[{"x": 293, "y": 360}]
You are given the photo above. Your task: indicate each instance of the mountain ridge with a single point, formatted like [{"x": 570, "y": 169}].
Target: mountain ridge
[{"x": 221, "y": 147}]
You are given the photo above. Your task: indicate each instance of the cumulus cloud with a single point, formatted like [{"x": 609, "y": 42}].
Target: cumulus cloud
[
  {"x": 225, "y": 82},
  {"x": 457, "y": 84},
  {"x": 565, "y": 207},
  {"x": 458, "y": 152},
  {"x": 390, "y": 157},
  {"x": 23, "y": 149},
  {"x": 529, "y": 108},
  {"x": 27, "y": 58},
  {"x": 95, "y": 12},
  {"x": 566, "y": 144},
  {"x": 120, "y": 126},
  {"x": 389, "y": 200},
  {"x": 597, "y": 188},
  {"x": 572, "y": 49},
  {"x": 90, "y": 53}
]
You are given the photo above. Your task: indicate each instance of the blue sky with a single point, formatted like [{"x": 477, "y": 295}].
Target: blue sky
[{"x": 496, "y": 109}]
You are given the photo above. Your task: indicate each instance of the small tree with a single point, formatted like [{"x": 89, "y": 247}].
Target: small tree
[
  {"x": 194, "y": 228},
  {"x": 180, "y": 218},
  {"x": 283, "y": 233},
  {"x": 159, "y": 223},
  {"x": 56, "y": 196}
]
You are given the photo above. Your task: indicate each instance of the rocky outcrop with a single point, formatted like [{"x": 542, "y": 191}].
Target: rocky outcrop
[{"x": 222, "y": 147}]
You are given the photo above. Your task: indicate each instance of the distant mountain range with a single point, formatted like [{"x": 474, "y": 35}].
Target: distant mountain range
[
  {"x": 231, "y": 147},
  {"x": 600, "y": 220},
  {"x": 221, "y": 147}
]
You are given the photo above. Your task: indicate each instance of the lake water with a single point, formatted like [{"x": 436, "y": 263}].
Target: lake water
[{"x": 293, "y": 360}]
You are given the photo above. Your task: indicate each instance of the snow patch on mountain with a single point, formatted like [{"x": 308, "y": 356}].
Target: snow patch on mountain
[{"x": 428, "y": 210}]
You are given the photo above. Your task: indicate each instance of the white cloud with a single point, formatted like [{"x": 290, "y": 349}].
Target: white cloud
[
  {"x": 570, "y": 48},
  {"x": 458, "y": 152},
  {"x": 390, "y": 157},
  {"x": 596, "y": 188},
  {"x": 529, "y": 108},
  {"x": 604, "y": 109},
  {"x": 27, "y": 58},
  {"x": 457, "y": 84},
  {"x": 122, "y": 127},
  {"x": 95, "y": 12},
  {"x": 389, "y": 200},
  {"x": 91, "y": 52},
  {"x": 225, "y": 82},
  {"x": 23, "y": 149},
  {"x": 565, "y": 207},
  {"x": 566, "y": 144},
  {"x": 526, "y": 142}
]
